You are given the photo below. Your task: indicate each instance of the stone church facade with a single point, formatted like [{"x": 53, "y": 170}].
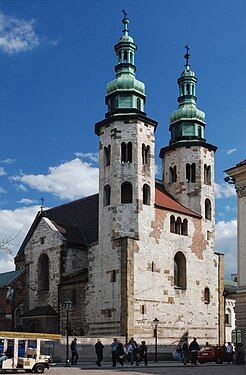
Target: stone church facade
[{"x": 142, "y": 248}]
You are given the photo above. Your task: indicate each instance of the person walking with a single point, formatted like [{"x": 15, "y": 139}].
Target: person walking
[
  {"x": 114, "y": 351},
  {"x": 134, "y": 352},
  {"x": 99, "y": 352},
  {"x": 120, "y": 353},
  {"x": 229, "y": 353},
  {"x": 143, "y": 353},
  {"x": 74, "y": 351},
  {"x": 179, "y": 353},
  {"x": 185, "y": 349},
  {"x": 194, "y": 349}
]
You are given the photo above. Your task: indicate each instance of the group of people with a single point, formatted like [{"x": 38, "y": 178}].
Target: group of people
[
  {"x": 186, "y": 352},
  {"x": 130, "y": 352}
]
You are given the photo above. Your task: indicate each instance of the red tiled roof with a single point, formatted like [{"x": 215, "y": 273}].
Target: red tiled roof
[{"x": 165, "y": 200}]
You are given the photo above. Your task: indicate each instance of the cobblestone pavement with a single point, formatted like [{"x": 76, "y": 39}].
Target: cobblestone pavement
[{"x": 165, "y": 369}]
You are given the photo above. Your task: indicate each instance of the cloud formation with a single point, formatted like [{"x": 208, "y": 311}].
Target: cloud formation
[
  {"x": 27, "y": 201},
  {"x": 70, "y": 180},
  {"x": 226, "y": 242},
  {"x": 229, "y": 152},
  {"x": 2, "y": 190},
  {"x": 2, "y": 171},
  {"x": 8, "y": 161},
  {"x": 93, "y": 156},
  {"x": 224, "y": 190},
  {"x": 17, "y": 34}
]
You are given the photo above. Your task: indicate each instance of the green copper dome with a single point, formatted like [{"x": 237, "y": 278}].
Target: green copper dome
[
  {"x": 187, "y": 122},
  {"x": 125, "y": 94}
]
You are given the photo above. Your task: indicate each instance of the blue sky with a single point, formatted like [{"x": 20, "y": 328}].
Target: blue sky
[{"x": 56, "y": 58}]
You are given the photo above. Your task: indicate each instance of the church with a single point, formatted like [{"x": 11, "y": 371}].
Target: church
[{"x": 142, "y": 249}]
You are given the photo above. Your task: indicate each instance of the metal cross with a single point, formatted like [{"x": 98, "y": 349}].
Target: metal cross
[
  {"x": 42, "y": 203},
  {"x": 187, "y": 55},
  {"x": 124, "y": 12}
]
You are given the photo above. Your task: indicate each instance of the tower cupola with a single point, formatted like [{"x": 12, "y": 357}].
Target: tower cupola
[
  {"x": 187, "y": 122},
  {"x": 125, "y": 94}
]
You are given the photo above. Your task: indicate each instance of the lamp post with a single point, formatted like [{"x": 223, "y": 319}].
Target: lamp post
[
  {"x": 67, "y": 305},
  {"x": 155, "y": 323}
]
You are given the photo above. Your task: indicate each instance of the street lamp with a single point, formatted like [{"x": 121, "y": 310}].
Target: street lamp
[
  {"x": 155, "y": 323},
  {"x": 67, "y": 305}
]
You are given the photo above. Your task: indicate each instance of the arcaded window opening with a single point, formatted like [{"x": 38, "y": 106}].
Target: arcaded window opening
[
  {"x": 106, "y": 195},
  {"x": 208, "y": 209},
  {"x": 138, "y": 104},
  {"x": 43, "y": 273},
  {"x": 180, "y": 270},
  {"x": 107, "y": 155},
  {"x": 143, "y": 309},
  {"x": 207, "y": 295},
  {"x": 172, "y": 174},
  {"x": 126, "y": 192},
  {"x": 184, "y": 227},
  {"x": 190, "y": 172},
  {"x": 172, "y": 224},
  {"x": 145, "y": 154},
  {"x": 146, "y": 194},
  {"x": 125, "y": 56},
  {"x": 126, "y": 152},
  {"x": 178, "y": 224},
  {"x": 207, "y": 174}
]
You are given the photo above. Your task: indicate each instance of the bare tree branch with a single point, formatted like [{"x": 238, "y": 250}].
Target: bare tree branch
[{"x": 4, "y": 243}]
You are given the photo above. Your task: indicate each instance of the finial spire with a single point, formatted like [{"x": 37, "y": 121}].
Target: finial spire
[
  {"x": 187, "y": 56},
  {"x": 125, "y": 22},
  {"x": 42, "y": 204}
]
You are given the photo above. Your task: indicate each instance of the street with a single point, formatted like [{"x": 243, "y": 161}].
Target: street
[{"x": 168, "y": 368}]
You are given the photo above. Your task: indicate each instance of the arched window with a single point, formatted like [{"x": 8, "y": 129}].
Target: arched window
[
  {"x": 207, "y": 295},
  {"x": 193, "y": 172},
  {"x": 172, "y": 224},
  {"x": 43, "y": 272},
  {"x": 131, "y": 57},
  {"x": 178, "y": 224},
  {"x": 199, "y": 131},
  {"x": 187, "y": 172},
  {"x": 119, "y": 57},
  {"x": 145, "y": 154},
  {"x": 146, "y": 194},
  {"x": 172, "y": 174},
  {"x": 184, "y": 227},
  {"x": 180, "y": 270},
  {"x": 126, "y": 152},
  {"x": 107, "y": 155},
  {"x": 228, "y": 317},
  {"x": 208, "y": 210},
  {"x": 106, "y": 195},
  {"x": 207, "y": 174},
  {"x": 138, "y": 104},
  {"x": 125, "y": 56},
  {"x": 188, "y": 88},
  {"x": 126, "y": 192}
]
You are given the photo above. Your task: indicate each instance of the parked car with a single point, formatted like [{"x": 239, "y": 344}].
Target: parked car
[{"x": 215, "y": 354}]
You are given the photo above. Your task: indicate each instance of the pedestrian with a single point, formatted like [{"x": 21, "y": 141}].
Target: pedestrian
[
  {"x": 194, "y": 349},
  {"x": 128, "y": 352},
  {"x": 99, "y": 352},
  {"x": 134, "y": 351},
  {"x": 120, "y": 353},
  {"x": 114, "y": 351},
  {"x": 179, "y": 353},
  {"x": 74, "y": 350},
  {"x": 185, "y": 350},
  {"x": 207, "y": 344},
  {"x": 229, "y": 353},
  {"x": 143, "y": 353}
]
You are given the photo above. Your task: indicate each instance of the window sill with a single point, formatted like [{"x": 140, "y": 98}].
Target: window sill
[{"x": 179, "y": 288}]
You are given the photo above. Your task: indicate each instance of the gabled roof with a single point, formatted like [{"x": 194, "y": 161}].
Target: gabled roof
[
  {"x": 75, "y": 219},
  {"x": 165, "y": 200},
  {"x": 8, "y": 277}
]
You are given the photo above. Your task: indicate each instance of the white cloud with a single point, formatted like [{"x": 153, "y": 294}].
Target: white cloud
[
  {"x": 2, "y": 171},
  {"x": 17, "y": 34},
  {"x": 89, "y": 155},
  {"x": 69, "y": 180},
  {"x": 226, "y": 242},
  {"x": 2, "y": 190},
  {"x": 229, "y": 152},
  {"x": 224, "y": 190},
  {"x": 27, "y": 201},
  {"x": 16, "y": 221},
  {"x": 8, "y": 161},
  {"x": 20, "y": 186},
  {"x": 6, "y": 265}
]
